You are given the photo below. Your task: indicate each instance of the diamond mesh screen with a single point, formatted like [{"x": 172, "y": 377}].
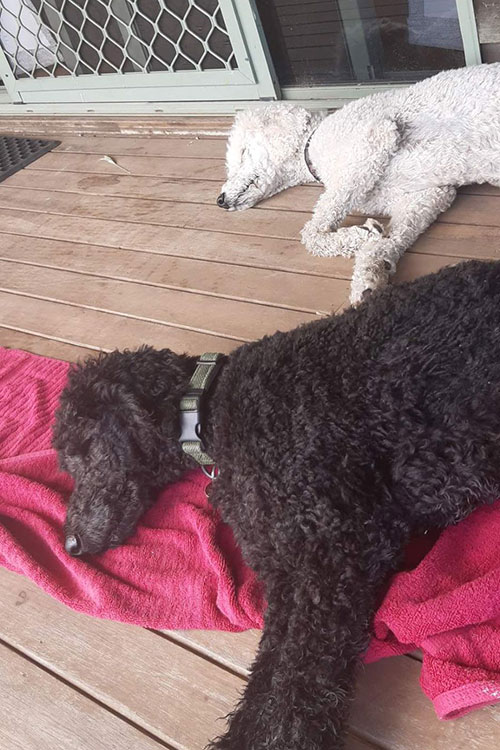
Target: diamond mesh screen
[{"x": 86, "y": 37}]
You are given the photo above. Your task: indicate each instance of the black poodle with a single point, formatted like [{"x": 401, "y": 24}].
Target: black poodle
[{"x": 334, "y": 442}]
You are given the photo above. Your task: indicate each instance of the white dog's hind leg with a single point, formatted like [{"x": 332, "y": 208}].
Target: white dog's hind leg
[{"x": 376, "y": 261}]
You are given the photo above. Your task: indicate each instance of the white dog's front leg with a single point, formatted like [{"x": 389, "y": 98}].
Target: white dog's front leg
[
  {"x": 359, "y": 164},
  {"x": 376, "y": 261},
  {"x": 317, "y": 234}
]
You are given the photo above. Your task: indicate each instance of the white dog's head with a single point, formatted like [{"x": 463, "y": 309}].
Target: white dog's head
[{"x": 265, "y": 153}]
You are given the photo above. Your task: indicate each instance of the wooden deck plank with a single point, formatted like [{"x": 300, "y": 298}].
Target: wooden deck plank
[
  {"x": 45, "y": 347},
  {"x": 189, "y": 147},
  {"x": 263, "y": 285},
  {"x": 390, "y": 709},
  {"x": 234, "y": 319},
  {"x": 58, "y": 126},
  {"x": 412, "y": 265},
  {"x": 41, "y": 713},
  {"x": 93, "y": 329},
  {"x": 170, "y": 166},
  {"x": 275, "y": 254},
  {"x": 175, "y": 270},
  {"x": 235, "y": 651},
  {"x": 150, "y": 188},
  {"x": 473, "y": 209},
  {"x": 460, "y": 240}
]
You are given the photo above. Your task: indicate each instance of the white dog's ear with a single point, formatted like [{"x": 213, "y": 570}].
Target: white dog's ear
[
  {"x": 315, "y": 117},
  {"x": 236, "y": 142},
  {"x": 305, "y": 120},
  {"x": 284, "y": 121}
]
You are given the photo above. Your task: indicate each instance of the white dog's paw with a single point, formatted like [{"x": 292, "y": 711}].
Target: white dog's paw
[
  {"x": 316, "y": 239},
  {"x": 373, "y": 227},
  {"x": 345, "y": 241},
  {"x": 351, "y": 239}
]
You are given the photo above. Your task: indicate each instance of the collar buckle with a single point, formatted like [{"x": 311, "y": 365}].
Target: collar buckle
[{"x": 191, "y": 404}]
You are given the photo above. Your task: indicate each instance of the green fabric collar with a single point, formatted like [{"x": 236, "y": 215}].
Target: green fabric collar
[{"x": 191, "y": 438}]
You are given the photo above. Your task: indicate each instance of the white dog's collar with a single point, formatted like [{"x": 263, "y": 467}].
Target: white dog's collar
[{"x": 307, "y": 158}]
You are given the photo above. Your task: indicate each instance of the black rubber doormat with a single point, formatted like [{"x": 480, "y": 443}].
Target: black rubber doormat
[{"x": 16, "y": 153}]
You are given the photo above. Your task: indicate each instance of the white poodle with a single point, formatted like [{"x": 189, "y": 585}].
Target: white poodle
[{"x": 401, "y": 154}]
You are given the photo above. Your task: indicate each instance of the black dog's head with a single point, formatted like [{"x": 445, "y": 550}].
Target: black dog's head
[{"x": 116, "y": 433}]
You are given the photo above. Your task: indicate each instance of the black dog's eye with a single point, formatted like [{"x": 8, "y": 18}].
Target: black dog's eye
[{"x": 78, "y": 450}]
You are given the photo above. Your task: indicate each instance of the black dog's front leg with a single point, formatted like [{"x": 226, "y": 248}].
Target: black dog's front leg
[
  {"x": 256, "y": 707},
  {"x": 317, "y": 626}
]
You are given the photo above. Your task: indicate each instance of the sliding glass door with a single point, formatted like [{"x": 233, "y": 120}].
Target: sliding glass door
[{"x": 317, "y": 43}]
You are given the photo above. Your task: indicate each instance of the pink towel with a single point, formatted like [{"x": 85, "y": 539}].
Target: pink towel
[
  {"x": 449, "y": 606},
  {"x": 182, "y": 569}
]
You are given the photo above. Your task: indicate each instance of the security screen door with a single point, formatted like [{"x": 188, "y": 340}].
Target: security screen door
[{"x": 59, "y": 51}]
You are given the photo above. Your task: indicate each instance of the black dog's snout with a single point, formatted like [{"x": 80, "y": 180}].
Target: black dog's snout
[
  {"x": 221, "y": 201},
  {"x": 73, "y": 545}
]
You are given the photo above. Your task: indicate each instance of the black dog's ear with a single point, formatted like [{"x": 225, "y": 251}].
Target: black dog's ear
[
  {"x": 125, "y": 438},
  {"x": 133, "y": 421},
  {"x": 103, "y": 423}
]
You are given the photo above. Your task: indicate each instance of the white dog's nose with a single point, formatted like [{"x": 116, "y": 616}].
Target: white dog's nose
[{"x": 221, "y": 201}]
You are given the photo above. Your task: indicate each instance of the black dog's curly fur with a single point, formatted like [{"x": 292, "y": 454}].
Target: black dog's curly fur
[{"x": 335, "y": 442}]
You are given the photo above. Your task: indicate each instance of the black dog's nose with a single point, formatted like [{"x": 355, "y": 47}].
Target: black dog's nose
[
  {"x": 73, "y": 545},
  {"x": 221, "y": 201}
]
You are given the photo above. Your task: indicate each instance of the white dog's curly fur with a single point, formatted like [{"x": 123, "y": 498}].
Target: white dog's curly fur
[{"x": 401, "y": 154}]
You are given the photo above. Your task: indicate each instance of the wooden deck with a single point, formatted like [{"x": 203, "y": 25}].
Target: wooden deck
[{"x": 95, "y": 257}]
